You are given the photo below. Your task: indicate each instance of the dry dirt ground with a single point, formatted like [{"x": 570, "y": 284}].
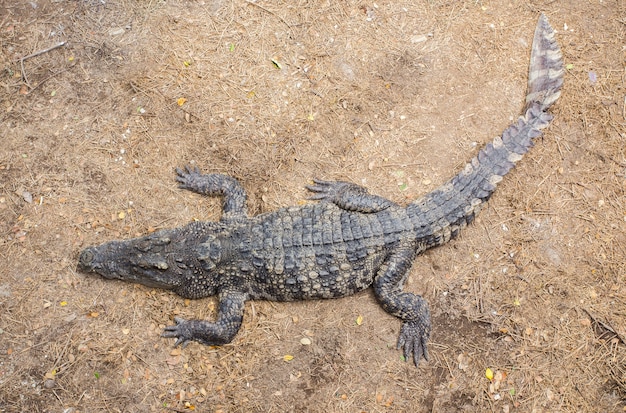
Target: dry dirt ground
[{"x": 395, "y": 95}]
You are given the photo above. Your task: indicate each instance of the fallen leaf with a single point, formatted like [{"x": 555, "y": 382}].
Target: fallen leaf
[
  {"x": 287, "y": 357},
  {"x": 359, "y": 320},
  {"x": 489, "y": 373},
  {"x": 176, "y": 352},
  {"x": 172, "y": 361},
  {"x": 181, "y": 101},
  {"x": 389, "y": 402}
]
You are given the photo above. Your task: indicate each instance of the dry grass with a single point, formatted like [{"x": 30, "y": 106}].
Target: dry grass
[{"x": 392, "y": 95}]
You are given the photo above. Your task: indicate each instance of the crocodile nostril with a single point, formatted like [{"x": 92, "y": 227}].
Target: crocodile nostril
[{"x": 85, "y": 259}]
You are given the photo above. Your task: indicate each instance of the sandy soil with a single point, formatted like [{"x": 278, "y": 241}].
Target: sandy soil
[{"x": 395, "y": 95}]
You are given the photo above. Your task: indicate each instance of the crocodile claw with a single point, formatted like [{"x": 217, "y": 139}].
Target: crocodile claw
[
  {"x": 413, "y": 338},
  {"x": 186, "y": 175},
  {"x": 330, "y": 190},
  {"x": 183, "y": 331}
]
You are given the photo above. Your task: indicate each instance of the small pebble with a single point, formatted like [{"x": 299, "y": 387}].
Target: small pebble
[{"x": 116, "y": 32}]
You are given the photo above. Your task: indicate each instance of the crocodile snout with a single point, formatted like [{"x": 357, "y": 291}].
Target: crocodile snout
[{"x": 85, "y": 260}]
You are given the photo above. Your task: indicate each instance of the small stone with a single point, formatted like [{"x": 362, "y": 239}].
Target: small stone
[
  {"x": 28, "y": 197},
  {"x": 305, "y": 341},
  {"x": 49, "y": 383},
  {"x": 116, "y": 32},
  {"x": 418, "y": 38}
]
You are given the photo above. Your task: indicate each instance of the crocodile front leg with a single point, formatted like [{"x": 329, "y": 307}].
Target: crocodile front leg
[
  {"x": 234, "y": 195},
  {"x": 348, "y": 196},
  {"x": 411, "y": 308},
  {"x": 222, "y": 331}
]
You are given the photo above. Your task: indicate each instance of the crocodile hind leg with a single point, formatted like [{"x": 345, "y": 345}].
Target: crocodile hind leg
[
  {"x": 222, "y": 331},
  {"x": 348, "y": 196},
  {"x": 412, "y": 309},
  {"x": 234, "y": 195}
]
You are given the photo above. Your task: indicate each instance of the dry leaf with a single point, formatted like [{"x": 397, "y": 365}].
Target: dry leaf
[
  {"x": 389, "y": 402},
  {"x": 172, "y": 361},
  {"x": 489, "y": 373}
]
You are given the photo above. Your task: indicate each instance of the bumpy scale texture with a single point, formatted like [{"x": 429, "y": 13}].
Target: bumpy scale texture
[{"x": 347, "y": 242}]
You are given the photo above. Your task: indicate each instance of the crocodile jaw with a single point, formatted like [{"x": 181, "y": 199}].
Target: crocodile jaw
[{"x": 122, "y": 260}]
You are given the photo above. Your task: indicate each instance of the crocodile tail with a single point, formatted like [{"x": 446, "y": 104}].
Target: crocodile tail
[
  {"x": 545, "y": 75},
  {"x": 439, "y": 215}
]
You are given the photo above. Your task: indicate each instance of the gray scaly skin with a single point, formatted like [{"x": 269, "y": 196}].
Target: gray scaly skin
[{"x": 345, "y": 243}]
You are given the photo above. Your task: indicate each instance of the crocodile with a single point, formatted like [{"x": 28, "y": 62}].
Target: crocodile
[{"x": 348, "y": 241}]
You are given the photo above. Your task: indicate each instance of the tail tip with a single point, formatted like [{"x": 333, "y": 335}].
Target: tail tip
[{"x": 545, "y": 77}]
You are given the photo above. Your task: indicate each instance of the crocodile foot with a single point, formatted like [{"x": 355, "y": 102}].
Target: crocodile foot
[
  {"x": 183, "y": 331},
  {"x": 330, "y": 190},
  {"x": 413, "y": 338},
  {"x": 188, "y": 177},
  {"x": 204, "y": 332},
  {"x": 348, "y": 196}
]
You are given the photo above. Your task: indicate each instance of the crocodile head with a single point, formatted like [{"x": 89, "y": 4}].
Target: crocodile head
[{"x": 149, "y": 260}]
